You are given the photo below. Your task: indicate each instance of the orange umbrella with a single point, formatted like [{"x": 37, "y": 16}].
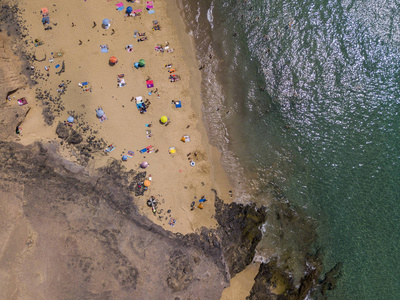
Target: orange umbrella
[
  {"x": 113, "y": 60},
  {"x": 146, "y": 183},
  {"x": 45, "y": 10}
]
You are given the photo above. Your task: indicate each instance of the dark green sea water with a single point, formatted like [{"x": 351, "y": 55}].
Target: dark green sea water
[{"x": 309, "y": 98}]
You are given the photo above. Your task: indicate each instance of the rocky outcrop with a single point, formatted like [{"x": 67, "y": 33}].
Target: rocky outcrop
[
  {"x": 239, "y": 232},
  {"x": 86, "y": 238},
  {"x": 68, "y": 134},
  {"x": 11, "y": 77},
  {"x": 12, "y": 116},
  {"x": 330, "y": 279}
]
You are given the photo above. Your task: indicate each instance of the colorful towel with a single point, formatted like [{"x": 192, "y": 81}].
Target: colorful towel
[
  {"x": 137, "y": 10},
  {"x": 149, "y": 83},
  {"x": 104, "y": 48},
  {"x": 103, "y": 118},
  {"x": 119, "y": 4},
  {"x": 22, "y": 101}
]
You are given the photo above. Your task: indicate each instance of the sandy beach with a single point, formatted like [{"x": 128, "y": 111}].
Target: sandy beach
[{"x": 75, "y": 38}]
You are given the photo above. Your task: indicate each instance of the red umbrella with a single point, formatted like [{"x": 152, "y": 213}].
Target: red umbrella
[{"x": 113, "y": 60}]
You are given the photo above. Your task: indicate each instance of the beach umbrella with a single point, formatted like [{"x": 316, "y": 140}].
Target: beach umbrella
[
  {"x": 124, "y": 158},
  {"x": 163, "y": 119},
  {"x": 141, "y": 63},
  {"x": 172, "y": 150},
  {"x": 106, "y": 23},
  {"x": 70, "y": 119},
  {"x": 151, "y": 202},
  {"x": 113, "y": 60},
  {"x": 144, "y": 165},
  {"x": 129, "y": 9},
  {"x": 136, "y": 65},
  {"x": 146, "y": 183},
  {"x": 99, "y": 113}
]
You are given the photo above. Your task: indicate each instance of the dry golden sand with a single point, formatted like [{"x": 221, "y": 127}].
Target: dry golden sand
[{"x": 174, "y": 182}]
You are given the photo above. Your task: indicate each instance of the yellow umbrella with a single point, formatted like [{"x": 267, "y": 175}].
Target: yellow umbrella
[
  {"x": 146, "y": 182},
  {"x": 172, "y": 150},
  {"x": 164, "y": 119}
]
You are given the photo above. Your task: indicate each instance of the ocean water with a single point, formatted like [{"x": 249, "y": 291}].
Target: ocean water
[{"x": 304, "y": 96}]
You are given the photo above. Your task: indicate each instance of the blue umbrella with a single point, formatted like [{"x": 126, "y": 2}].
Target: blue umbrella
[
  {"x": 136, "y": 64},
  {"x": 106, "y": 22},
  {"x": 129, "y": 9},
  {"x": 99, "y": 113},
  {"x": 124, "y": 158},
  {"x": 70, "y": 119}
]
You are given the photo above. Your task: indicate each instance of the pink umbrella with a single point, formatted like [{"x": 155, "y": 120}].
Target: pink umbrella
[{"x": 144, "y": 165}]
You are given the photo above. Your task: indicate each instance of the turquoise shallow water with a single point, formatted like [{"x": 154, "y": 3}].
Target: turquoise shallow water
[{"x": 309, "y": 97}]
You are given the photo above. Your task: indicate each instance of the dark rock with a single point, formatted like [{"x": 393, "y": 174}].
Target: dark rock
[
  {"x": 74, "y": 137},
  {"x": 62, "y": 131},
  {"x": 180, "y": 270},
  {"x": 331, "y": 278}
]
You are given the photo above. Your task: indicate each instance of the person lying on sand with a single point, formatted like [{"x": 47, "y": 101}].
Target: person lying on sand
[
  {"x": 142, "y": 39},
  {"x": 142, "y": 34}
]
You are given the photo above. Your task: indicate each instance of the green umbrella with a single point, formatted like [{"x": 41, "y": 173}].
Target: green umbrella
[{"x": 141, "y": 63}]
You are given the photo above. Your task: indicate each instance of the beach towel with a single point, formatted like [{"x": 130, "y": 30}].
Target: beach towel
[
  {"x": 109, "y": 148},
  {"x": 178, "y": 104},
  {"x": 151, "y": 11},
  {"x": 149, "y": 83},
  {"x": 121, "y": 82},
  {"x": 104, "y": 48},
  {"x": 103, "y": 118},
  {"x": 172, "y": 222},
  {"x": 143, "y": 150},
  {"x": 22, "y": 101},
  {"x": 149, "y": 149},
  {"x": 130, "y": 153},
  {"x": 137, "y": 11},
  {"x": 149, "y": 4},
  {"x": 129, "y": 48}
]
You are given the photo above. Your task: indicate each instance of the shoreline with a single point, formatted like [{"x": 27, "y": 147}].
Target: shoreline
[{"x": 219, "y": 176}]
